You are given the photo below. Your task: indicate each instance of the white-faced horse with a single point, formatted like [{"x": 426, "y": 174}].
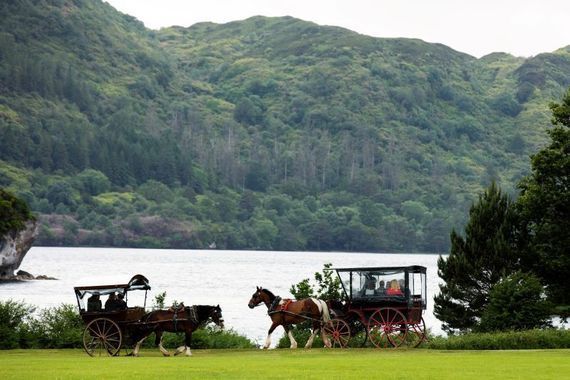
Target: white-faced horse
[{"x": 285, "y": 312}]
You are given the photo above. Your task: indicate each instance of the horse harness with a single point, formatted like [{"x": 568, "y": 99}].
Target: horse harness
[
  {"x": 277, "y": 306},
  {"x": 191, "y": 311},
  {"x": 281, "y": 307}
]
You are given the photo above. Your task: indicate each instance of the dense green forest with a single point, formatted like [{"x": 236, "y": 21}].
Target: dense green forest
[{"x": 267, "y": 133}]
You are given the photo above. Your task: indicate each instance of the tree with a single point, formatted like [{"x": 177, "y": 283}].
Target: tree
[
  {"x": 14, "y": 213},
  {"x": 248, "y": 112},
  {"x": 477, "y": 261},
  {"x": 93, "y": 181},
  {"x": 516, "y": 303},
  {"x": 327, "y": 285},
  {"x": 156, "y": 191},
  {"x": 544, "y": 206},
  {"x": 60, "y": 192}
]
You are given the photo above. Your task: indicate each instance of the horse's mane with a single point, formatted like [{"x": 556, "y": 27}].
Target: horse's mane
[
  {"x": 202, "y": 311},
  {"x": 268, "y": 292}
]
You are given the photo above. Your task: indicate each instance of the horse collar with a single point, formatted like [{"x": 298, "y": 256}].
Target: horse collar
[
  {"x": 193, "y": 315},
  {"x": 274, "y": 304}
]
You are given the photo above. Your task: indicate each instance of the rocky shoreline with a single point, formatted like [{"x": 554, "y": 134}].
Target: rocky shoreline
[{"x": 22, "y": 275}]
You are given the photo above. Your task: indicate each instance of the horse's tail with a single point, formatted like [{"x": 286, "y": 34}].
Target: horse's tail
[
  {"x": 324, "y": 309},
  {"x": 326, "y": 314}
]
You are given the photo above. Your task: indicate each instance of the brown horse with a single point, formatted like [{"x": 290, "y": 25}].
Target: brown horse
[
  {"x": 285, "y": 312},
  {"x": 176, "y": 319}
]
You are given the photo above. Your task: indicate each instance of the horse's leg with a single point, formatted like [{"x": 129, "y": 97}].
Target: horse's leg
[
  {"x": 311, "y": 338},
  {"x": 138, "y": 346},
  {"x": 180, "y": 349},
  {"x": 268, "y": 339},
  {"x": 290, "y": 335},
  {"x": 326, "y": 339},
  {"x": 158, "y": 342},
  {"x": 186, "y": 347},
  {"x": 314, "y": 330},
  {"x": 188, "y": 342}
]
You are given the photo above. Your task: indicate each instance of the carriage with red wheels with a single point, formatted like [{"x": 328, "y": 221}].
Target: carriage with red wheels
[
  {"x": 109, "y": 327},
  {"x": 383, "y": 306}
]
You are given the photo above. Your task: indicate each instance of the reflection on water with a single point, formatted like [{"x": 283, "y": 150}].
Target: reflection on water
[{"x": 227, "y": 278}]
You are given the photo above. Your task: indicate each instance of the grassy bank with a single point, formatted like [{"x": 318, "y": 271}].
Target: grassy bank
[{"x": 286, "y": 364}]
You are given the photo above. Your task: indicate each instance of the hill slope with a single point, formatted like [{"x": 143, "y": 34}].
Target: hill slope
[{"x": 270, "y": 133}]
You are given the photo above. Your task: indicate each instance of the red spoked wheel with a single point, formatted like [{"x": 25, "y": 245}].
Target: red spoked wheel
[
  {"x": 102, "y": 336},
  {"x": 416, "y": 333},
  {"x": 387, "y": 327},
  {"x": 338, "y": 332}
]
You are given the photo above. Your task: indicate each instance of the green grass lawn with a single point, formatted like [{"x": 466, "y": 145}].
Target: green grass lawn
[{"x": 290, "y": 364}]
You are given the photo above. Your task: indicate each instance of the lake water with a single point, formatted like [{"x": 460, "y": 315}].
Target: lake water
[{"x": 208, "y": 277}]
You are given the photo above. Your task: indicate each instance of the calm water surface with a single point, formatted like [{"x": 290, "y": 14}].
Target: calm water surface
[{"x": 220, "y": 277}]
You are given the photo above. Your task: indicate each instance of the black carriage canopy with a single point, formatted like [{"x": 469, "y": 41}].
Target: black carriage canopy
[
  {"x": 382, "y": 271},
  {"x": 373, "y": 283},
  {"x": 137, "y": 282}
]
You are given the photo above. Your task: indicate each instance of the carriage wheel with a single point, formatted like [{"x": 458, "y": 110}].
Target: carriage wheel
[
  {"x": 102, "y": 336},
  {"x": 416, "y": 333},
  {"x": 387, "y": 327},
  {"x": 338, "y": 332},
  {"x": 358, "y": 332}
]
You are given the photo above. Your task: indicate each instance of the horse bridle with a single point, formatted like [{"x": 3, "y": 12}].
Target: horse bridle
[
  {"x": 258, "y": 295},
  {"x": 217, "y": 312}
]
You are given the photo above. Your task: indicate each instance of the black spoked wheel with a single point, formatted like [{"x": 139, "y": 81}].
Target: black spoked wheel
[
  {"x": 101, "y": 337},
  {"x": 387, "y": 328},
  {"x": 416, "y": 333},
  {"x": 358, "y": 332},
  {"x": 338, "y": 332}
]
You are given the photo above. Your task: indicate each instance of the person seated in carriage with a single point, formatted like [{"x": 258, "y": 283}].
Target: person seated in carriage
[
  {"x": 381, "y": 291},
  {"x": 115, "y": 302},
  {"x": 111, "y": 303},
  {"x": 94, "y": 303},
  {"x": 120, "y": 303},
  {"x": 394, "y": 289},
  {"x": 369, "y": 288}
]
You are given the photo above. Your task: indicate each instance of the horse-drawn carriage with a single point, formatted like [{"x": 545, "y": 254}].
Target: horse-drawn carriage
[
  {"x": 383, "y": 305},
  {"x": 108, "y": 328},
  {"x": 116, "y": 326}
]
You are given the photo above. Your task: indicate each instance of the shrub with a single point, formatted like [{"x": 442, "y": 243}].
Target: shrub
[
  {"x": 62, "y": 327},
  {"x": 301, "y": 334},
  {"x": 206, "y": 338},
  {"x": 508, "y": 340},
  {"x": 516, "y": 303},
  {"x": 58, "y": 327},
  {"x": 13, "y": 315}
]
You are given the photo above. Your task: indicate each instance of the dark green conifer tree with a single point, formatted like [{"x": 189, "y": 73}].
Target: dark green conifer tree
[
  {"x": 544, "y": 206},
  {"x": 477, "y": 261}
]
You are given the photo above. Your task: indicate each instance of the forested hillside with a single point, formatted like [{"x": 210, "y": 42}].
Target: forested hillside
[{"x": 267, "y": 133}]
